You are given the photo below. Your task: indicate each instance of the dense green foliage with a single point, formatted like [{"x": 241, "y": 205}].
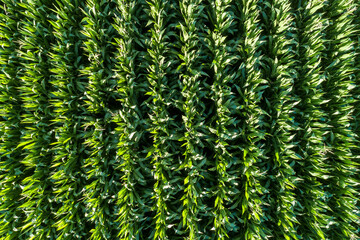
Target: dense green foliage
[{"x": 180, "y": 119}]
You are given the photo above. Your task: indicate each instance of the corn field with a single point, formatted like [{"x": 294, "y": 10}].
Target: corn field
[{"x": 180, "y": 119}]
